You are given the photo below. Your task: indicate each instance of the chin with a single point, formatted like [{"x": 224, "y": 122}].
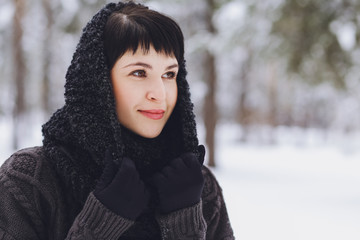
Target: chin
[{"x": 150, "y": 134}]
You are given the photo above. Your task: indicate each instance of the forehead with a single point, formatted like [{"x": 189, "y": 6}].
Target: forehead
[{"x": 149, "y": 56}]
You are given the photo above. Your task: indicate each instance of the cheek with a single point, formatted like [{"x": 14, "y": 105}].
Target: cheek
[
  {"x": 172, "y": 94},
  {"x": 121, "y": 100},
  {"x": 122, "y": 96},
  {"x": 126, "y": 98}
]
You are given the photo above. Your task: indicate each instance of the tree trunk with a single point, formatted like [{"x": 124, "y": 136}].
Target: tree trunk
[
  {"x": 272, "y": 101},
  {"x": 210, "y": 108},
  {"x": 45, "y": 96},
  {"x": 244, "y": 113},
  {"x": 19, "y": 70},
  {"x": 272, "y": 96}
]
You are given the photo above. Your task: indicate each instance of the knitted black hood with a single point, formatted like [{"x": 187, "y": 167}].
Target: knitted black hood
[{"x": 78, "y": 134}]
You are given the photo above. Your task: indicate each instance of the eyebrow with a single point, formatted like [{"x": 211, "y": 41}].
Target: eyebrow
[{"x": 145, "y": 65}]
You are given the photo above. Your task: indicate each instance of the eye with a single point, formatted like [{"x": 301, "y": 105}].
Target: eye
[
  {"x": 138, "y": 73},
  {"x": 169, "y": 75}
]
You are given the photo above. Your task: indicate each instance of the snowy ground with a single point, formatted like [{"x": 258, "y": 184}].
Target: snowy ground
[
  {"x": 291, "y": 191},
  {"x": 301, "y": 188}
]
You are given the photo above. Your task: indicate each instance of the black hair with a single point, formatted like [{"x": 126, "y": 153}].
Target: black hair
[{"x": 134, "y": 26}]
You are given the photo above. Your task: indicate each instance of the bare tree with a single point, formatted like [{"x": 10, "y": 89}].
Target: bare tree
[
  {"x": 19, "y": 69},
  {"x": 244, "y": 113},
  {"x": 210, "y": 107},
  {"x": 45, "y": 96}
]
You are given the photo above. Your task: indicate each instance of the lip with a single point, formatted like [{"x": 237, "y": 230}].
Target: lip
[{"x": 155, "y": 114}]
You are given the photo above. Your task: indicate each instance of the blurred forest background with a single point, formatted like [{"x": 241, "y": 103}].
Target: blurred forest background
[{"x": 258, "y": 64}]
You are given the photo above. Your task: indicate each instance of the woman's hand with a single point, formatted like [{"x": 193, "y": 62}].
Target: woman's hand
[
  {"x": 121, "y": 190},
  {"x": 180, "y": 184}
]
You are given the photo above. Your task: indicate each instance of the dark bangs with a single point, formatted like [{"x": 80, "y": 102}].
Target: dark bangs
[{"x": 135, "y": 26}]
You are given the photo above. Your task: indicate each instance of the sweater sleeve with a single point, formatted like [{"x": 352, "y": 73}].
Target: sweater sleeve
[
  {"x": 29, "y": 211},
  {"x": 5, "y": 236},
  {"x": 187, "y": 223},
  {"x": 214, "y": 209},
  {"x": 20, "y": 220},
  {"x": 95, "y": 221},
  {"x": 207, "y": 220}
]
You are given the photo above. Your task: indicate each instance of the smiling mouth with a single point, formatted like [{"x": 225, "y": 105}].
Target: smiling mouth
[{"x": 155, "y": 114}]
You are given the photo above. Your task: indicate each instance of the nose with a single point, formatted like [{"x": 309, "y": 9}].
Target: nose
[{"x": 156, "y": 90}]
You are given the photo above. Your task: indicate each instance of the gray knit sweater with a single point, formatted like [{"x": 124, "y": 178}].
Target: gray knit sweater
[{"x": 34, "y": 206}]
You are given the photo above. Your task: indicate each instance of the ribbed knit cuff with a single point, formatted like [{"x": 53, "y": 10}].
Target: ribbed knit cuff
[
  {"x": 187, "y": 223},
  {"x": 103, "y": 223}
]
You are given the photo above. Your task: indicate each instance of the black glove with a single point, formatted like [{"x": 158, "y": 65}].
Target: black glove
[
  {"x": 121, "y": 190},
  {"x": 180, "y": 184}
]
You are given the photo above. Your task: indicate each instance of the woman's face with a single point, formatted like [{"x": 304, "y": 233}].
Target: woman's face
[{"x": 145, "y": 90}]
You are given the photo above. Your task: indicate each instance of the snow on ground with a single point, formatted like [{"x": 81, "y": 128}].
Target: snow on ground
[
  {"x": 303, "y": 188},
  {"x": 287, "y": 191}
]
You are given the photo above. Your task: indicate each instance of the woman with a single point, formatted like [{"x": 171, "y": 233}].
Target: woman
[{"x": 120, "y": 160}]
